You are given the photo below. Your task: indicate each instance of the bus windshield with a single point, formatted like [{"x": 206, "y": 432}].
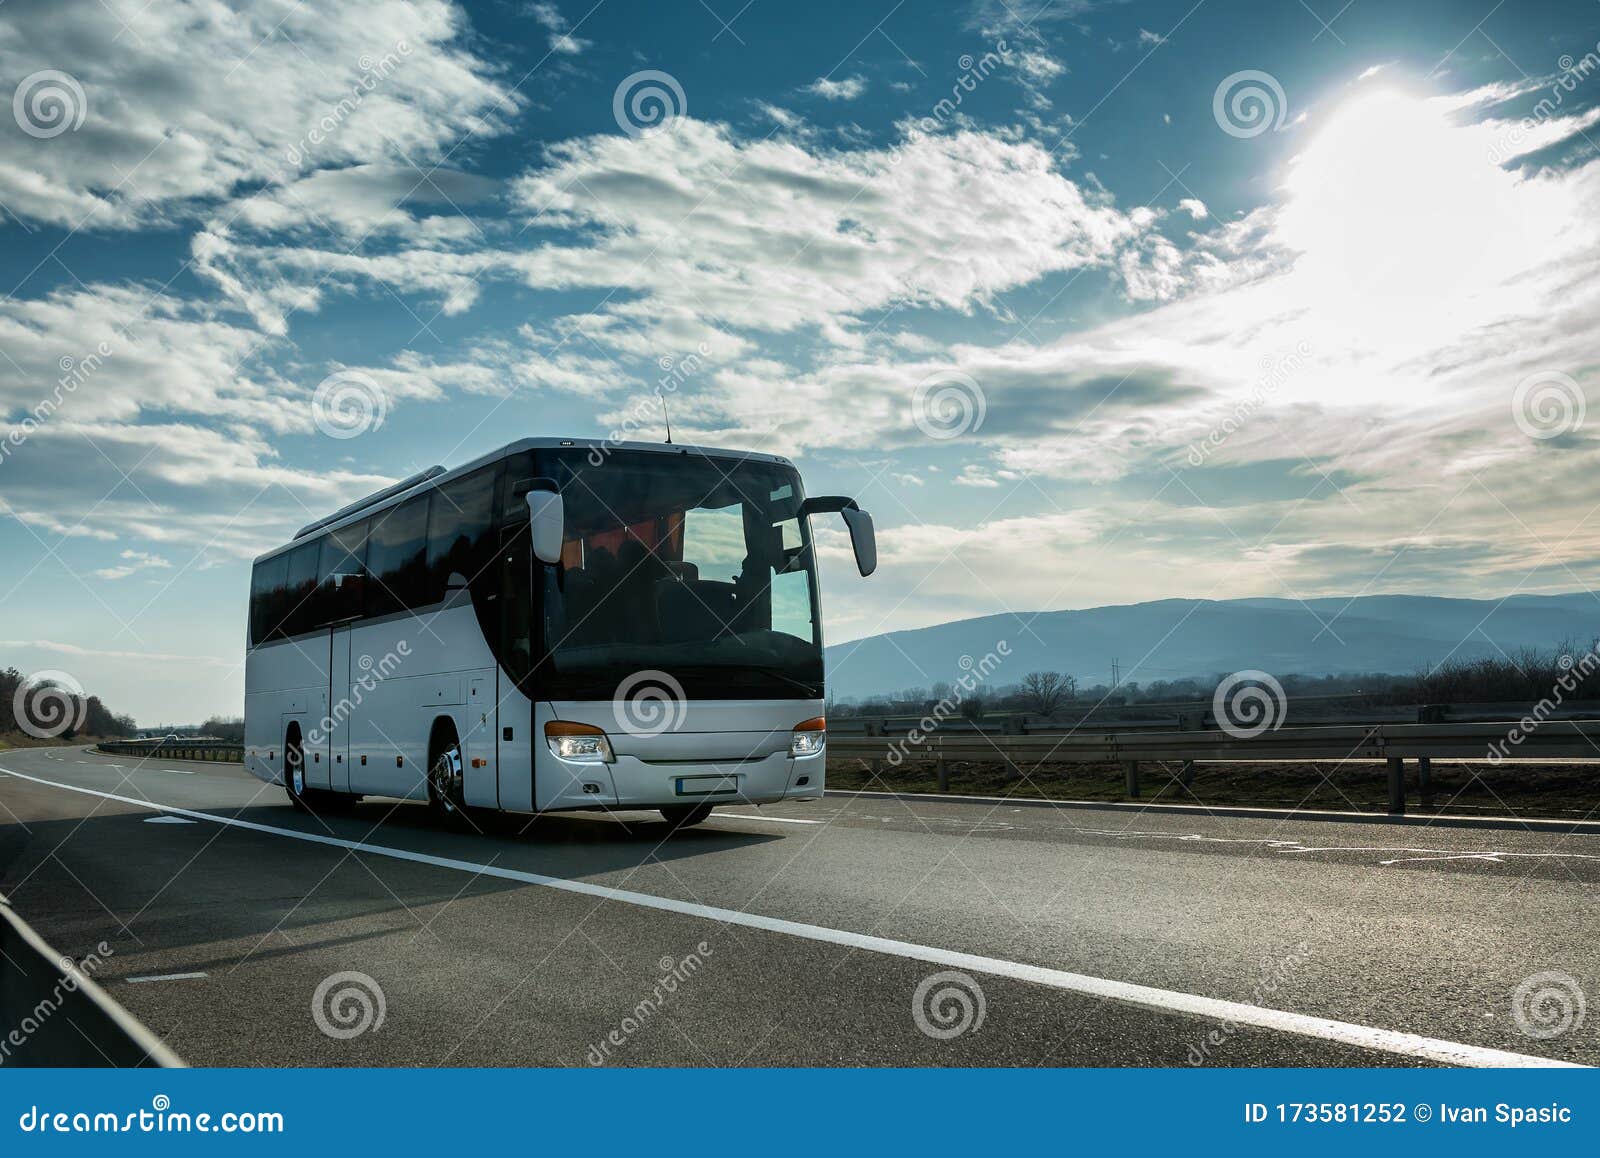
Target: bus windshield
[{"x": 684, "y": 563}]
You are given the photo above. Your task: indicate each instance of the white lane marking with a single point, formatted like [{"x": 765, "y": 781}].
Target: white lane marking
[
  {"x": 180, "y": 771},
  {"x": 1278, "y": 844},
  {"x": 1430, "y": 1049},
  {"x": 769, "y": 819},
  {"x": 165, "y": 977},
  {"x": 167, "y": 820}
]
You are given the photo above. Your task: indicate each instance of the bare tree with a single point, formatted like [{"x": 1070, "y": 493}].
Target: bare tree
[{"x": 1044, "y": 691}]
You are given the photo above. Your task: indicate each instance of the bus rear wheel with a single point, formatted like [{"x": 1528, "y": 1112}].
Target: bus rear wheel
[
  {"x": 294, "y": 775},
  {"x": 685, "y": 815},
  {"x": 446, "y": 780}
]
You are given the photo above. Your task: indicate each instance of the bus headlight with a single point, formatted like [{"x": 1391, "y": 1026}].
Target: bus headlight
[
  {"x": 808, "y": 737},
  {"x": 572, "y": 741}
]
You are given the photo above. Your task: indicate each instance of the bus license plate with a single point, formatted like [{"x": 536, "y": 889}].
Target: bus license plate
[{"x": 707, "y": 785}]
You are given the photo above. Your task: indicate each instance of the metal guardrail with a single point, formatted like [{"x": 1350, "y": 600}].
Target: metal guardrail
[
  {"x": 1197, "y": 716},
  {"x": 1394, "y": 743},
  {"x": 53, "y": 1014},
  {"x": 176, "y": 748}
]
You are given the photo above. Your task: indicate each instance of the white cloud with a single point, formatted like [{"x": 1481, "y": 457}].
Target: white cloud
[
  {"x": 773, "y": 236},
  {"x": 174, "y": 108},
  {"x": 133, "y": 562},
  {"x": 847, "y": 89},
  {"x": 562, "y": 40},
  {"x": 122, "y": 352}
]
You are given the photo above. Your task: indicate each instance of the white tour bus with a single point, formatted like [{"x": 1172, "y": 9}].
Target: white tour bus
[{"x": 562, "y": 624}]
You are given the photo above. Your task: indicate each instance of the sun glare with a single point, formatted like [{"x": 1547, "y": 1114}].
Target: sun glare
[{"x": 1405, "y": 227}]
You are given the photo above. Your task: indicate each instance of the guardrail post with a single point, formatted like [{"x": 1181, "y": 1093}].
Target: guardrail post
[
  {"x": 1130, "y": 774},
  {"x": 943, "y": 768},
  {"x": 1186, "y": 773},
  {"x": 1397, "y": 786},
  {"x": 1425, "y": 780}
]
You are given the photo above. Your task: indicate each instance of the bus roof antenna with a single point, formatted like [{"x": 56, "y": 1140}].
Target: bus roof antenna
[{"x": 666, "y": 414}]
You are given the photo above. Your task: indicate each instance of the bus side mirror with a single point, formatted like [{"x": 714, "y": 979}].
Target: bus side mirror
[
  {"x": 547, "y": 520},
  {"x": 863, "y": 538}
]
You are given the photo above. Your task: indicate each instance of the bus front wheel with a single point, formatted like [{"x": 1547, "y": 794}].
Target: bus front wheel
[{"x": 685, "y": 815}]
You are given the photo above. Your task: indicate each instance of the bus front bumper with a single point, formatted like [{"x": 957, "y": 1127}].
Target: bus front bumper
[{"x": 631, "y": 782}]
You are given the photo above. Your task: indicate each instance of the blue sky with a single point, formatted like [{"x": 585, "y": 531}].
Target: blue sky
[{"x": 1201, "y": 300}]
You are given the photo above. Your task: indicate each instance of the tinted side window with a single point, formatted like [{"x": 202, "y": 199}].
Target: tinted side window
[
  {"x": 458, "y": 530},
  {"x": 301, "y": 612},
  {"x": 266, "y": 598},
  {"x": 396, "y": 557},
  {"x": 341, "y": 572}
]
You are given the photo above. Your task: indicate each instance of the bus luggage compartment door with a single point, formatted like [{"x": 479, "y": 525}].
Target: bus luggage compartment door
[{"x": 338, "y": 752}]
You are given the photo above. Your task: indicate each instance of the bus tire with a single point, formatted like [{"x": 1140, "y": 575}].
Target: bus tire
[
  {"x": 446, "y": 775},
  {"x": 294, "y": 772},
  {"x": 685, "y": 815}
]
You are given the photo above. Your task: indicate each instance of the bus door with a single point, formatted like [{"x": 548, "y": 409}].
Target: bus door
[{"x": 340, "y": 709}]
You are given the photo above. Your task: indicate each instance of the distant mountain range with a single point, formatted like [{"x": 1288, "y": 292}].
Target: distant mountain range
[{"x": 1179, "y": 638}]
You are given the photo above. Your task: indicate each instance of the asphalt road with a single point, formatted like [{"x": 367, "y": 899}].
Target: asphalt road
[{"x": 797, "y": 935}]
